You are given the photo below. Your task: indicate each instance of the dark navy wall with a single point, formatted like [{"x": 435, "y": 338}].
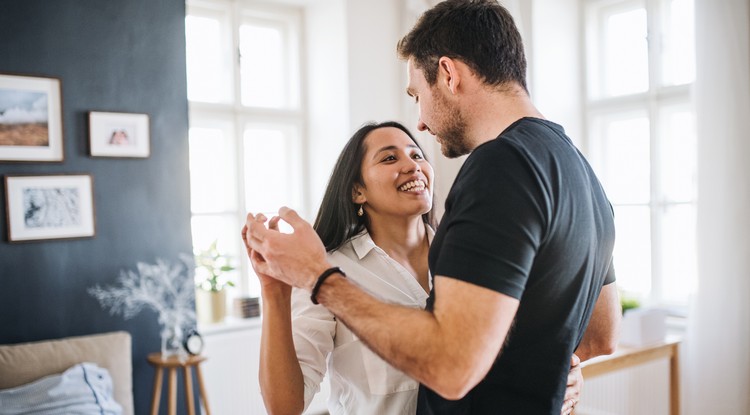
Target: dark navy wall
[{"x": 113, "y": 55}]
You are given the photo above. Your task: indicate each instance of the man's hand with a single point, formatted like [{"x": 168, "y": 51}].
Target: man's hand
[
  {"x": 295, "y": 259},
  {"x": 574, "y": 386}
]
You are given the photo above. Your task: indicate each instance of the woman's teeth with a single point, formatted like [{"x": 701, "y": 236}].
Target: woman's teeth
[{"x": 412, "y": 185}]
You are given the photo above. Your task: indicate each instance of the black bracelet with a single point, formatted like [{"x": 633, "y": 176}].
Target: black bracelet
[{"x": 321, "y": 279}]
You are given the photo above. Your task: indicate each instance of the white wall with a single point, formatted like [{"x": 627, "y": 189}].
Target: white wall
[
  {"x": 375, "y": 87},
  {"x": 328, "y": 92},
  {"x": 554, "y": 64},
  {"x": 354, "y": 77}
]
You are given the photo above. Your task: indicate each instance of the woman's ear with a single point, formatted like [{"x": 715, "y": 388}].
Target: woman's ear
[{"x": 358, "y": 197}]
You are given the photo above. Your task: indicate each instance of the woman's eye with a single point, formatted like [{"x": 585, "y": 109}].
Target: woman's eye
[
  {"x": 389, "y": 158},
  {"x": 417, "y": 156}
]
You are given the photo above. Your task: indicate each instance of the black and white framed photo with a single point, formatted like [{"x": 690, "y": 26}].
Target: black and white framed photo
[
  {"x": 119, "y": 134},
  {"x": 49, "y": 207},
  {"x": 30, "y": 119}
]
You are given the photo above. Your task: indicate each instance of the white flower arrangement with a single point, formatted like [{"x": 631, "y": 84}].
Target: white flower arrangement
[{"x": 166, "y": 288}]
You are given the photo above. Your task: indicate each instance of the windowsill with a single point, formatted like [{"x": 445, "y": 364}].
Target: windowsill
[{"x": 230, "y": 324}]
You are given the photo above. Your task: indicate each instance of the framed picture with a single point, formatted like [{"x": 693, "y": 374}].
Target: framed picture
[
  {"x": 49, "y": 207},
  {"x": 30, "y": 119},
  {"x": 119, "y": 134}
]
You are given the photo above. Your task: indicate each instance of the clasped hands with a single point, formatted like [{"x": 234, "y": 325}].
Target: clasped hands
[{"x": 293, "y": 258}]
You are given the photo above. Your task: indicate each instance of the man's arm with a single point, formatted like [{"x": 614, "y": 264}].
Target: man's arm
[
  {"x": 450, "y": 350},
  {"x": 603, "y": 331}
]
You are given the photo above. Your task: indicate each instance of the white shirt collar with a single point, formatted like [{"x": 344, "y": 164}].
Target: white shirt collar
[{"x": 363, "y": 243}]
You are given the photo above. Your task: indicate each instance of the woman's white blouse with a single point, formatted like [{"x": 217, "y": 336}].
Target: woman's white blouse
[{"x": 361, "y": 382}]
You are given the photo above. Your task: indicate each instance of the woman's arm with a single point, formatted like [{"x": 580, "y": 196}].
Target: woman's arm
[
  {"x": 280, "y": 376},
  {"x": 281, "y": 381}
]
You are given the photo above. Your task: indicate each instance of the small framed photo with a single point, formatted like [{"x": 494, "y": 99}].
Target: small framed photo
[
  {"x": 119, "y": 134},
  {"x": 49, "y": 207},
  {"x": 30, "y": 119}
]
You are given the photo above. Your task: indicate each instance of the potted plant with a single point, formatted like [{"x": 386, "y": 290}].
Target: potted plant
[
  {"x": 211, "y": 278},
  {"x": 640, "y": 325}
]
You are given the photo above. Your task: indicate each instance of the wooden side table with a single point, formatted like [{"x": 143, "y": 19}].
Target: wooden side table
[{"x": 171, "y": 363}]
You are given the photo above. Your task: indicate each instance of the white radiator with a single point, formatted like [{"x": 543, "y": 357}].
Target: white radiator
[
  {"x": 230, "y": 372},
  {"x": 639, "y": 390}
]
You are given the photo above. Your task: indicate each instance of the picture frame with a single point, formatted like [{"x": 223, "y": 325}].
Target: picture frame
[
  {"x": 30, "y": 119},
  {"x": 119, "y": 134},
  {"x": 49, "y": 207}
]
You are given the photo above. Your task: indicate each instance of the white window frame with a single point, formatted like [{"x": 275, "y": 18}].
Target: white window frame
[
  {"x": 294, "y": 115},
  {"x": 650, "y": 103}
]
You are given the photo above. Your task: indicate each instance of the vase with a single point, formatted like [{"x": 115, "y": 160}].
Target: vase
[
  {"x": 172, "y": 341},
  {"x": 211, "y": 306}
]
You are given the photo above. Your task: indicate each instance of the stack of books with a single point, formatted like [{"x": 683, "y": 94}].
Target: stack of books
[{"x": 247, "y": 307}]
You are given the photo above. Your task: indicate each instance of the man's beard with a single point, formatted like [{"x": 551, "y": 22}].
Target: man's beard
[{"x": 452, "y": 133}]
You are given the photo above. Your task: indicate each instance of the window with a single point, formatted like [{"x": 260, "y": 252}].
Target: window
[
  {"x": 246, "y": 119},
  {"x": 642, "y": 140}
]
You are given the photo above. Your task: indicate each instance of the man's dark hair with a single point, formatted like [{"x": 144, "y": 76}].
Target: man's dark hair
[
  {"x": 480, "y": 33},
  {"x": 337, "y": 221}
]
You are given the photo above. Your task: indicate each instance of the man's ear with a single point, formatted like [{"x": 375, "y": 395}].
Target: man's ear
[
  {"x": 358, "y": 197},
  {"x": 449, "y": 74}
]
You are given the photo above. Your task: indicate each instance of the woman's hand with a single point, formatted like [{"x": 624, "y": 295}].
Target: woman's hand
[
  {"x": 297, "y": 258},
  {"x": 269, "y": 285},
  {"x": 574, "y": 386}
]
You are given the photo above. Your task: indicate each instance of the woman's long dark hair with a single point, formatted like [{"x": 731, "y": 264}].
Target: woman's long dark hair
[{"x": 337, "y": 220}]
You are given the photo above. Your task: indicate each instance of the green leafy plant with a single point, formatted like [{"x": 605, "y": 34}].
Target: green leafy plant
[
  {"x": 211, "y": 267},
  {"x": 628, "y": 302}
]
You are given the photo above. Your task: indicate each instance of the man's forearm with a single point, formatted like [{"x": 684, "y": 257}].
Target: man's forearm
[
  {"x": 449, "y": 350},
  {"x": 374, "y": 322}
]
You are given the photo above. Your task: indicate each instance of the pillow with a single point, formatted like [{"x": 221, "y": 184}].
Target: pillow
[
  {"x": 83, "y": 389},
  {"x": 26, "y": 362}
]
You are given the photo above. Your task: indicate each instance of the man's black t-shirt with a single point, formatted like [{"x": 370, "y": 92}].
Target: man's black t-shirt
[{"x": 526, "y": 217}]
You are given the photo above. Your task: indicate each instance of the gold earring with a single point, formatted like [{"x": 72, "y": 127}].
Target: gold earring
[{"x": 360, "y": 212}]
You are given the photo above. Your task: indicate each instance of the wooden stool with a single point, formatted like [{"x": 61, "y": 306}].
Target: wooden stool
[{"x": 172, "y": 363}]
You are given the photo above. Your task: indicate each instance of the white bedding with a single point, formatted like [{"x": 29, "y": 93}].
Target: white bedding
[{"x": 81, "y": 390}]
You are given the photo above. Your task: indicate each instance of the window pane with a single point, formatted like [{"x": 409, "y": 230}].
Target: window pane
[
  {"x": 678, "y": 155},
  {"x": 632, "y": 254},
  {"x": 213, "y": 185},
  {"x": 678, "y": 253},
  {"x": 263, "y": 66},
  {"x": 272, "y": 177},
  {"x": 678, "y": 59},
  {"x": 209, "y": 73},
  {"x": 625, "y": 51},
  {"x": 623, "y": 160},
  {"x": 224, "y": 229}
]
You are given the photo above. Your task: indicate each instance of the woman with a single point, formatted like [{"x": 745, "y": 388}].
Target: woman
[{"x": 375, "y": 222}]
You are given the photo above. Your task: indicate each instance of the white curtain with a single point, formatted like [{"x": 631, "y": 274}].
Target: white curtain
[{"x": 718, "y": 346}]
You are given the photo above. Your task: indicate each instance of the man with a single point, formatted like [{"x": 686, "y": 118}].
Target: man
[{"x": 522, "y": 259}]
